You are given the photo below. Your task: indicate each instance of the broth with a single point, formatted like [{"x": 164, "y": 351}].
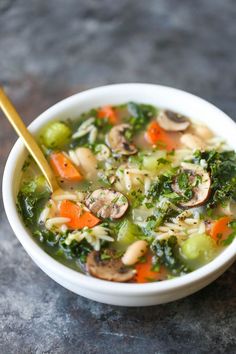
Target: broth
[{"x": 146, "y": 194}]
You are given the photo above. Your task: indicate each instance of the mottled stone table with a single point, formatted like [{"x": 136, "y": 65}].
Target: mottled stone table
[{"x": 52, "y": 48}]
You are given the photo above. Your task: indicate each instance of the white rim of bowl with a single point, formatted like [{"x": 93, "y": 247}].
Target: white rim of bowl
[{"x": 36, "y": 252}]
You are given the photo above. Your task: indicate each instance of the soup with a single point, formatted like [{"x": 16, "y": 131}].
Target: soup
[{"x": 145, "y": 194}]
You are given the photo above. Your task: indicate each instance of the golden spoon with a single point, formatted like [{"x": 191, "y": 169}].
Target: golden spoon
[{"x": 10, "y": 112}]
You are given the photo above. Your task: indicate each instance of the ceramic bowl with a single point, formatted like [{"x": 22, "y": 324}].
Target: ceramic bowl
[{"x": 89, "y": 287}]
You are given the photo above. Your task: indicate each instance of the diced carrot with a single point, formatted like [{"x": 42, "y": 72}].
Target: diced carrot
[
  {"x": 64, "y": 168},
  {"x": 220, "y": 229},
  {"x": 109, "y": 113},
  {"x": 158, "y": 136},
  {"x": 78, "y": 218},
  {"x": 146, "y": 274}
]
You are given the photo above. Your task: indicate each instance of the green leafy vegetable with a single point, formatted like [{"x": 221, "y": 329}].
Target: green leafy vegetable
[
  {"x": 31, "y": 200},
  {"x": 161, "y": 214},
  {"x": 47, "y": 236},
  {"x": 78, "y": 250},
  {"x": 222, "y": 168},
  {"x": 167, "y": 254},
  {"x": 140, "y": 115},
  {"x": 232, "y": 236},
  {"x": 162, "y": 187}
]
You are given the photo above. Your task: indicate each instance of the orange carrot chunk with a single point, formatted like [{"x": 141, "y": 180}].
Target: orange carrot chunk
[
  {"x": 78, "y": 218},
  {"x": 64, "y": 168},
  {"x": 220, "y": 229},
  {"x": 145, "y": 272},
  {"x": 109, "y": 113},
  {"x": 156, "y": 135}
]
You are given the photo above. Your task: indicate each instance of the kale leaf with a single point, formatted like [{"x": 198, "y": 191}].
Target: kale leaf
[
  {"x": 161, "y": 214},
  {"x": 31, "y": 200},
  {"x": 140, "y": 115},
  {"x": 222, "y": 169},
  {"x": 167, "y": 253},
  {"x": 162, "y": 188},
  {"x": 47, "y": 236},
  {"x": 78, "y": 250}
]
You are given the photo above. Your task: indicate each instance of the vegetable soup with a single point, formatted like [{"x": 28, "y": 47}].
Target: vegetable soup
[{"x": 145, "y": 194}]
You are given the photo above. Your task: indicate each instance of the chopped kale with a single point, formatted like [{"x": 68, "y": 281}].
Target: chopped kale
[
  {"x": 47, "y": 236},
  {"x": 140, "y": 115},
  {"x": 26, "y": 164},
  {"x": 161, "y": 214},
  {"x": 31, "y": 200},
  {"x": 229, "y": 239},
  {"x": 183, "y": 180},
  {"x": 162, "y": 188},
  {"x": 232, "y": 236},
  {"x": 78, "y": 250},
  {"x": 167, "y": 254},
  {"x": 137, "y": 197},
  {"x": 103, "y": 126},
  {"x": 222, "y": 168}
]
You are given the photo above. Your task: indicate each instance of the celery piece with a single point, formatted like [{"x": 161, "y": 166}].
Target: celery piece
[
  {"x": 150, "y": 163},
  {"x": 199, "y": 246},
  {"x": 128, "y": 233},
  {"x": 155, "y": 162}
]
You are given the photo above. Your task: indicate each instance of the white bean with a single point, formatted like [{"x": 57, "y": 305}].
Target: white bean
[
  {"x": 192, "y": 141},
  {"x": 87, "y": 162},
  {"x": 134, "y": 252},
  {"x": 203, "y": 132}
]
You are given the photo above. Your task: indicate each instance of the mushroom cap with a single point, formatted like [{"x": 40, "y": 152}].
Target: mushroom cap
[
  {"x": 172, "y": 121},
  {"x": 118, "y": 142},
  {"x": 111, "y": 269},
  {"x": 107, "y": 203},
  {"x": 201, "y": 191}
]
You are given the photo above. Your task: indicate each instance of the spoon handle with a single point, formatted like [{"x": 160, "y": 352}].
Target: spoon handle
[{"x": 29, "y": 141}]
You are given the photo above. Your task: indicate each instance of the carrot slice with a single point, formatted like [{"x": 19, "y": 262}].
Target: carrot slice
[
  {"x": 146, "y": 274},
  {"x": 64, "y": 168},
  {"x": 220, "y": 229},
  {"x": 78, "y": 218},
  {"x": 109, "y": 113},
  {"x": 156, "y": 135}
]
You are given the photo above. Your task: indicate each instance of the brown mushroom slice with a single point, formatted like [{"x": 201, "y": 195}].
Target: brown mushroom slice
[
  {"x": 172, "y": 121},
  {"x": 107, "y": 203},
  {"x": 111, "y": 268},
  {"x": 117, "y": 141},
  {"x": 201, "y": 189}
]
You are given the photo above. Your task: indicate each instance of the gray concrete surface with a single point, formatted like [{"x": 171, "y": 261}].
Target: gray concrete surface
[{"x": 52, "y": 48}]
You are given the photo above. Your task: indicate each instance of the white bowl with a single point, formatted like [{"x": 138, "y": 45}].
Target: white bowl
[{"x": 96, "y": 289}]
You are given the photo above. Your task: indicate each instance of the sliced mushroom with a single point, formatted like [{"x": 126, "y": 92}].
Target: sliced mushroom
[
  {"x": 200, "y": 182},
  {"x": 107, "y": 203},
  {"x": 172, "y": 121},
  {"x": 117, "y": 141},
  {"x": 111, "y": 268}
]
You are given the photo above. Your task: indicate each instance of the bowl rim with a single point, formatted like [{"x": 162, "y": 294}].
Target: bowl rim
[{"x": 46, "y": 261}]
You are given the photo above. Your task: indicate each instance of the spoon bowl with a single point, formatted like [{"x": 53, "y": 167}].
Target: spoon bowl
[{"x": 30, "y": 143}]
